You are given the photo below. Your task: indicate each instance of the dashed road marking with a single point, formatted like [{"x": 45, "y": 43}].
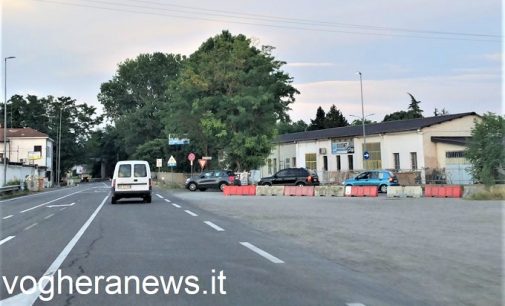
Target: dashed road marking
[
  {"x": 159, "y": 196},
  {"x": 189, "y": 212},
  {"x": 31, "y": 226},
  {"x": 7, "y": 217},
  {"x": 261, "y": 252},
  {"x": 167, "y": 200},
  {"x": 48, "y": 216},
  {"x": 23, "y": 211},
  {"x": 6, "y": 239},
  {"x": 175, "y": 205},
  {"x": 63, "y": 208},
  {"x": 355, "y": 304},
  {"x": 214, "y": 226}
]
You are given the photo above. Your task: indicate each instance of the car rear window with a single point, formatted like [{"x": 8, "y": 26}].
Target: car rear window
[
  {"x": 124, "y": 171},
  {"x": 139, "y": 170}
]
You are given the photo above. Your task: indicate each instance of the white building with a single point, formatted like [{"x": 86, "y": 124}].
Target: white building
[
  {"x": 27, "y": 146},
  {"x": 426, "y": 145}
]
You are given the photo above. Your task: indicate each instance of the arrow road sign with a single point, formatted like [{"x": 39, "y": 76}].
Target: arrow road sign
[{"x": 366, "y": 155}]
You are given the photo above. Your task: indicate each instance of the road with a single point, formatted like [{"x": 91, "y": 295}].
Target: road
[{"x": 76, "y": 233}]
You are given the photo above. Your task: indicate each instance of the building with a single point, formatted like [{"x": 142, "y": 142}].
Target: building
[
  {"x": 30, "y": 147},
  {"x": 431, "y": 146}
]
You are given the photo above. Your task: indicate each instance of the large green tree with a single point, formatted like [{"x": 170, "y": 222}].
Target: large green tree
[
  {"x": 319, "y": 122},
  {"x": 288, "y": 126},
  {"x": 227, "y": 100},
  {"x": 335, "y": 118},
  {"x": 486, "y": 150},
  {"x": 136, "y": 94}
]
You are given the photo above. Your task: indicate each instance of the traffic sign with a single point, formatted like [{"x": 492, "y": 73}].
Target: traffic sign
[
  {"x": 191, "y": 156},
  {"x": 202, "y": 163},
  {"x": 172, "y": 162},
  {"x": 159, "y": 162},
  {"x": 366, "y": 155}
]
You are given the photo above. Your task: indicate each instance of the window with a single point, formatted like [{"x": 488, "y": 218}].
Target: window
[
  {"x": 286, "y": 165},
  {"x": 413, "y": 160},
  {"x": 275, "y": 164},
  {"x": 325, "y": 163},
  {"x": 351, "y": 162},
  {"x": 396, "y": 157},
  {"x": 294, "y": 161},
  {"x": 139, "y": 170},
  {"x": 310, "y": 161},
  {"x": 374, "y": 161},
  {"x": 455, "y": 154},
  {"x": 269, "y": 163},
  {"x": 283, "y": 173},
  {"x": 124, "y": 171},
  {"x": 37, "y": 148},
  {"x": 339, "y": 165}
]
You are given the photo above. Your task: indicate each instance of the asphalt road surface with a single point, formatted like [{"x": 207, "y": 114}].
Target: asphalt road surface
[{"x": 169, "y": 252}]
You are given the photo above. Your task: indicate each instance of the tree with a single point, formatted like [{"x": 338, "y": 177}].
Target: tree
[
  {"x": 319, "y": 122},
  {"x": 286, "y": 127},
  {"x": 135, "y": 97},
  {"x": 43, "y": 114},
  {"x": 358, "y": 122},
  {"x": 334, "y": 118},
  {"x": 413, "y": 112},
  {"x": 442, "y": 112},
  {"x": 486, "y": 150},
  {"x": 227, "y": 100}
]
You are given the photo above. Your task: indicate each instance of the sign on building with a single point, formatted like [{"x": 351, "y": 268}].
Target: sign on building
[{"x": 341, "y": 148}]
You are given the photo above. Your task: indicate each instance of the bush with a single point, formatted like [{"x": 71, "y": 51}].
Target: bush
[
  {"x": 488, "y": 195},
  {"x": 13, "y": 182}
]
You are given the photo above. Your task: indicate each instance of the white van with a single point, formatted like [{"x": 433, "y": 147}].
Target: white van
[{"x": 132, "y": 179}]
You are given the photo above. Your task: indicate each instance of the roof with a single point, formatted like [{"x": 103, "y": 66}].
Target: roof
[
  {"x": 22, "y": 133},
  {"x": 371, "y": 129},
  {"x": 455, "y": 140}
]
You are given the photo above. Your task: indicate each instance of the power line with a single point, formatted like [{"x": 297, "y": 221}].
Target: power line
[{"x": 183, "y": 15}]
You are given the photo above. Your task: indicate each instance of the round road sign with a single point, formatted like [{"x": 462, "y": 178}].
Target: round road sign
[{"x": 191, "y": 156}]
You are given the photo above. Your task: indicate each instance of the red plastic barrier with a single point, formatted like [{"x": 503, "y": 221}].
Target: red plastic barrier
[
  {"x": 239, "y": 190},
  {"x": 449, "y": 191},
  {"x": 364, "y": 191},
  {"x": 299, "y": 191}
]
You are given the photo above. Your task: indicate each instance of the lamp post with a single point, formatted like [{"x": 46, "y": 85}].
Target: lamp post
[
  {"x": 362, "y": 118},
  {"x": 59, "y": 151},
  {"x": 5, "y": 117}
]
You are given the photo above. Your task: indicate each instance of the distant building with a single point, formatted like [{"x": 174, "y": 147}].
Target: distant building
[
  {"x": 29, "y": 147},
  {"x": 430, "y": 146}
]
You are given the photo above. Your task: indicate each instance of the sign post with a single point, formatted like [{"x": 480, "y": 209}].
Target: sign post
[
  {"x": 191, "y": 158},
  {"x": 172, "y": 163}
]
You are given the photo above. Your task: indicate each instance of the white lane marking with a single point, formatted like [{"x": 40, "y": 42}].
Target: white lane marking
[
  {"x": 159, "y": 196},
  {"x": 6, "y": 239},
  {"x": 7, "y": 217},
  {"x": 175, "y": 205},
  {"x": 48, "y": 216},
  {"x": 63, "y": 208},
  {"x": 261, "y": 252},
  {"x": 167, "y": 200},
  {"x": 189, "y": 212},
  {"x": 23, "y": 211},
  {"x": 214, "y": 226},
  {"x": 355, "y": 304},
  {"x": 30, "y": 298},
  {"x": 29, "y": 227},
  {"x": 61, "y": 205},
  {"x": 31, "y": 195}
]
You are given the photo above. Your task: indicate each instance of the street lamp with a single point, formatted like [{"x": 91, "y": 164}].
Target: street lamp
[
  {"x": 5, "y": 118},
  {"x": 362, "y": 118},
  {"x": 59, "y": 151}
]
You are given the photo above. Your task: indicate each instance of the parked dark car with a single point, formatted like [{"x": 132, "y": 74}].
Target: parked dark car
[
  {"x": 212, "y": 179},
  {"x": 380, "y": 178},
  {"x": 291, "y": 177}
]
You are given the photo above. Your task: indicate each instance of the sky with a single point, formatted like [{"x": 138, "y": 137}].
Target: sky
[{"x": 447, "y": 54}]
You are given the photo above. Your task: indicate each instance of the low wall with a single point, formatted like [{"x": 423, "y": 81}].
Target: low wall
[
  {"x": 469, "y": 190},
  {"x": 170, "y": 178}
]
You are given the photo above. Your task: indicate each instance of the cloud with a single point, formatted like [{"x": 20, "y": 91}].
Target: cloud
[{"x": 456, "y": 93}]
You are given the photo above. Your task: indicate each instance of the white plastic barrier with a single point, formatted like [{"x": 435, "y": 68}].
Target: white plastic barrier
[
  {"x": 270, "y": 190},
  {"x": 329, "y": 191},
  {"x": 413, "y": 191},
  {"x": 396, "y": 192}
]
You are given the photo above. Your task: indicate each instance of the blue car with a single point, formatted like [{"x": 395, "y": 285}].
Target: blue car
[{"x": 380, "y": 178}]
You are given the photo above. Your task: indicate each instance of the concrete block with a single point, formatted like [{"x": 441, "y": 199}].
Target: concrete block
[
  {"x": 412, "y": 191},
  {"x": 396, "y": 192}
]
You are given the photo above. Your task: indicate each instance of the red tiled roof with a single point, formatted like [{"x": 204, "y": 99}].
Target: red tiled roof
[{"x": 22, "y": 132}]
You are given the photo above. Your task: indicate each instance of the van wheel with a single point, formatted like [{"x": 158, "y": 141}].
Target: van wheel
[
  {"x": 113, "y": 200},
  {"x": 192, "y": 186},
  {"x": 383, "y": 188}
]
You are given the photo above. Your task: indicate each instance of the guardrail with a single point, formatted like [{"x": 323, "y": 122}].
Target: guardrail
[{"x": 5, "y": 189}]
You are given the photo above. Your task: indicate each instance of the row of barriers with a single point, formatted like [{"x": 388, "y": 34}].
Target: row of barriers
[{"x": 438, "y": 191}]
